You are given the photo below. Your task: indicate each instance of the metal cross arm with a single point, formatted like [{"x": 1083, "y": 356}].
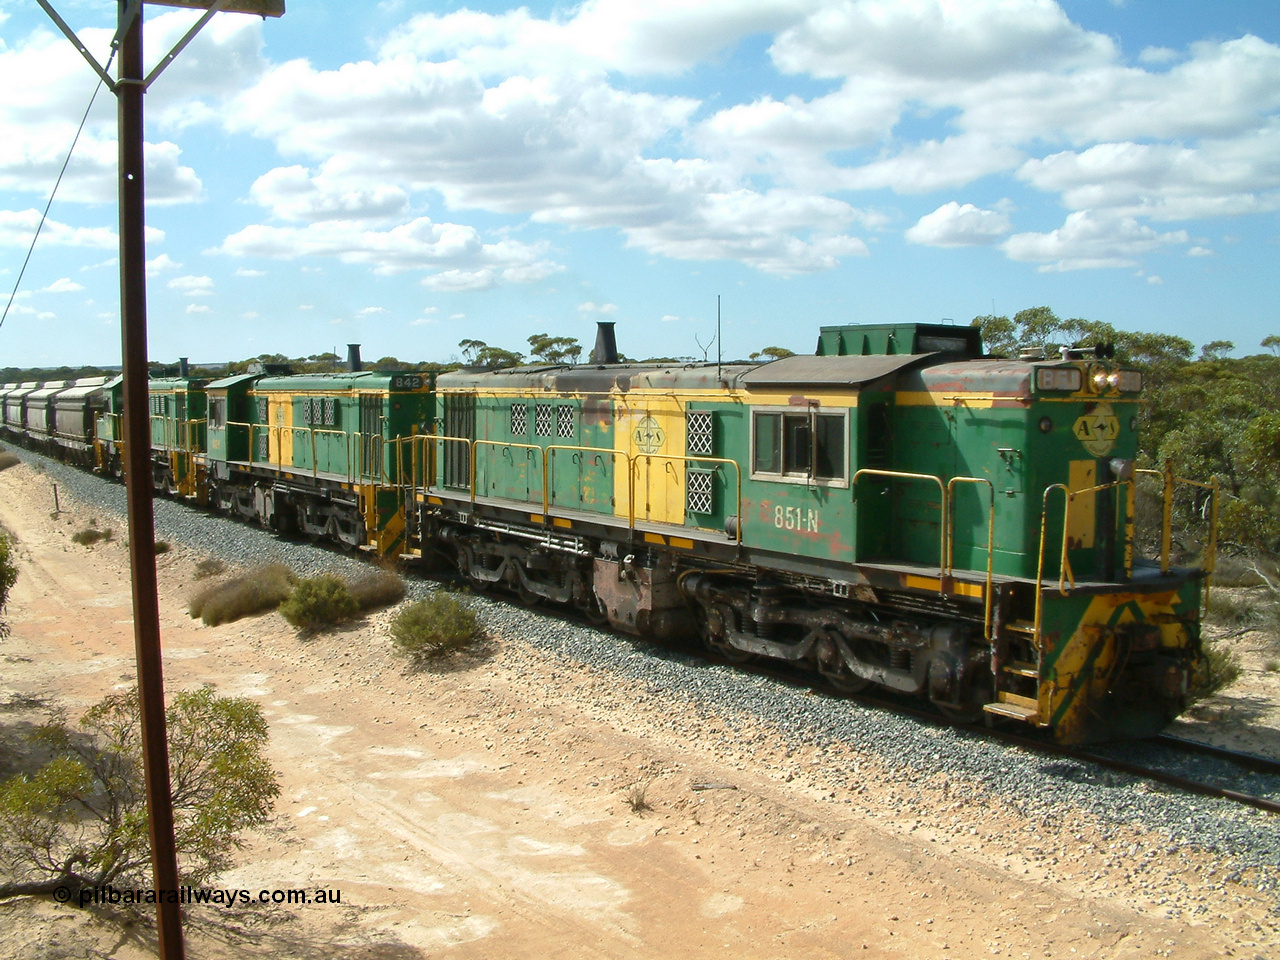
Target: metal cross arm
[{"x": 262, "y": 8}]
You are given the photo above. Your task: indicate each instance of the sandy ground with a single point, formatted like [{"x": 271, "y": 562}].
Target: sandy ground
[{"x": 481, "y": 810}]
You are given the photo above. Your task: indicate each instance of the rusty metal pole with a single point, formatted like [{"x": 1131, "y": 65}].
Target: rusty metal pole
[{"x": 137, "y": 444}]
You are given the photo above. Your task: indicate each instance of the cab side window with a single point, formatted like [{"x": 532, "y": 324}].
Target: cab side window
[{"x": 809, "y": 446}]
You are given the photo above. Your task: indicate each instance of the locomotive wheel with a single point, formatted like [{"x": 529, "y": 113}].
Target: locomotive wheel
[
  {"x": 970, "y": 711},
  {"x": 727, "y": 650},
  {"x": 463, "y": 567},
  {"x": 963, "y": 715},
  {"x": 710, "y": 630},
  {"x": 595, "y": 611},
  {"x": 845, "y": 681}
]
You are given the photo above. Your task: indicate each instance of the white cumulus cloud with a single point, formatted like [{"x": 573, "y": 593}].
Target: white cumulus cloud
[
  {"x": 64, "y": 285},
  {"x": 959, "y": 225},
  {"x": 192, "y": 286},
  {"x": 1085, "y": 241}
]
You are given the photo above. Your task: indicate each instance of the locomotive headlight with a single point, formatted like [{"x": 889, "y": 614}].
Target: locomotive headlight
[
  {"x": 1046, "y": 425},
  {"x": 1098, "y": 379},
  {"x": 1113, "y": 380}
]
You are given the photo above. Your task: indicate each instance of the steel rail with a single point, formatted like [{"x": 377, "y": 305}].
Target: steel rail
[
  {"x": 1047, "y": 748},
  {"x": 1253, "y": 761}
]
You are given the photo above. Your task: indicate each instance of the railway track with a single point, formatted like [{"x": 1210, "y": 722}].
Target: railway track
[
  {"x": 1090, "y": 755},
  {"x": 1147, "y": 771},
  {"x": 1095, "y": 756}
]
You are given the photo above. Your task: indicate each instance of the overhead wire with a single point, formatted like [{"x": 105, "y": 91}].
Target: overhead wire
[{"x": 54, "y": 192}]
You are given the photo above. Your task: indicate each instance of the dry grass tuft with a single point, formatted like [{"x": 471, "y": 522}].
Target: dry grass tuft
[
  {"x": 377, "y": 588},
  {"x": 209, "y": 567},
  {"x": 8, "y": 460},
  {"x": 260, "y": 590},
  {"x": 91, "y": 535},
  {"x": 636, "y": 798}
]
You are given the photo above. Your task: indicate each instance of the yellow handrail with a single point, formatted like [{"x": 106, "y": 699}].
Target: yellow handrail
[
  {"x": 1044, "y": 520},
  {"x": 737, "y": 469},
  {"x": 1210, "y": 560},
  {"x": 548, "y": 491},
  {"x": 942, "y": 492},
  {"x": 475, "y": 455}
]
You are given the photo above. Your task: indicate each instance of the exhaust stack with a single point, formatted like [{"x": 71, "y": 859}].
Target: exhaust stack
[
  {"x": 353, "y": 358},
  {"x": 606, "y": 348}
]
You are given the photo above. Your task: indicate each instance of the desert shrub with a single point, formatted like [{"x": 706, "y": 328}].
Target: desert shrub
[
  {"x": 434, "y": 626},
  {"x": 1235, "y": 572},
  {"x": 1232, "y": 609},
  {"x": 8, "y": 576},
  {"x": 162, "y": 546},
  {"x": 8, "y": 460},
  {"x": 81, "y": 820},
  {"x": 318, "y": 602},
  {"x": 209, "y": 567},
  {"x": 1222, "y": 668},
  {"x": 91, "y": 535},
  {"x": 258, "y": 591},
  {"x": 378, "y": 588}
]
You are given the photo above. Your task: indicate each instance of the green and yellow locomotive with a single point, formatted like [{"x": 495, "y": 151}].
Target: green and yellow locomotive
[
  {"x": 895, "y": 509},
  {"x": 322, "y": 455}
]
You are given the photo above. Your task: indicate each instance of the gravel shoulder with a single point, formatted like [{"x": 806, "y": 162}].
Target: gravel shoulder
[{"x": 483, "y": 808}]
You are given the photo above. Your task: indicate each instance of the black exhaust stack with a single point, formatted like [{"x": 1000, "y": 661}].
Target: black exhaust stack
[
  {"x": 606, "y": 348},
  {"x": 353, "y": 358},
  {"x": 184, "y": 369}
]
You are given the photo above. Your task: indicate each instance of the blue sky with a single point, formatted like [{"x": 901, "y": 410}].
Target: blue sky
[{"x": 411, "y": 174}]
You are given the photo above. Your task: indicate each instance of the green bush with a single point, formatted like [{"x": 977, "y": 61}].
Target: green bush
[
  {"x": 258, "y": 591},
  {"x": 1222, "y": 670},
  {"x": 378, "y": 588},
  {"x": 81, "y": 820},
  {"x": 318, "y": 602},
  {"x": 434, "y": 626},
  {"x": 8, "y": 576}
]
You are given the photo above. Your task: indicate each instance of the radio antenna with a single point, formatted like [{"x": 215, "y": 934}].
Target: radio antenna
[{"x": 717, "y": 336}]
